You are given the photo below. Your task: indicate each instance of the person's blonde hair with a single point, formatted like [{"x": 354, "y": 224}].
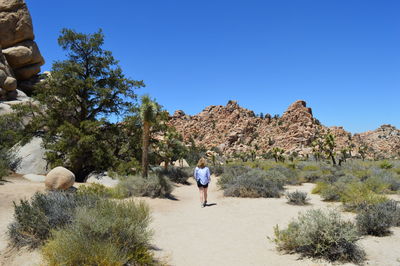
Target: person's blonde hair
[{"x": 201, "y": 163}]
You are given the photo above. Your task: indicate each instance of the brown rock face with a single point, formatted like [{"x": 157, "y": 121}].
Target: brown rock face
[
  {"x": 233, "y": 129},
  {"x": 20, "y": 57}
]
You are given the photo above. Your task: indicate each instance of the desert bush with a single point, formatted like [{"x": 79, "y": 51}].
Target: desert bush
[
  {"x": 231, "y": 172},
  {"x": 255, "y": 183},
  {"x": 290, "y": 175},
  {"x": 297, "y": 197},
  {"x": 387, "y": 180},
  {"x": 376, "y": 219},
  {"x": 385, "y": 165},
  {"x": 153, "y": 186},
  {"x": 322, "y": 235},
  {"x": 98, "y": 190},
  {"x": 217, "y": 170},
  {"x": 34, "y": 219},
  {"x": 109, "y": 233},
  {"x": 175, "y": 174},
  {"x": 358, "y": 194},
  {"x": 8, "y": 162}
]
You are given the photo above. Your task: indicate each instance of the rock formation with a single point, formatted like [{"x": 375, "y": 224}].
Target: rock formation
[
  {"x": 233, "y": 129},
  {"x": 20, "y": 58}
]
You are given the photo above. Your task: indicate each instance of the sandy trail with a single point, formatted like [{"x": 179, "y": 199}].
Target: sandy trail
[{"x": 234, "y": 231}]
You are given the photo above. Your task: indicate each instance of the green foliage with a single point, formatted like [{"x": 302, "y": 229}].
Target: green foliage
[
  {"x": 110, "y": 233},
  {"x": 356, "y": 195},
  {"x": 171, "y": 147},
  {"x": 376, "y": 219},
  {"x": 153, "y": 186},
  {"x": 34, "y": 219},
  {"x": 255, "y": 183},
  {"x": 385, "y": 165},
  {"x": 86, "y": 86},
  {"x": 217, "y": 170},
  {"x": 230, "y": 173},
  {"x": 322, "y": 235},
  {"x": 194, "y": 153},
  {"x": 97, "y": 190},
  {"x": 297, "y": 197}
]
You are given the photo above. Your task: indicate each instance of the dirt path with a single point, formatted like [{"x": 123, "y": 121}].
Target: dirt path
[{"x": 233, "y": 231}]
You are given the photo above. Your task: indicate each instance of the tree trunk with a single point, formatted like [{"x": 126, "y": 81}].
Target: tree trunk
[
  {"x": 166, "y": 163},
  {"x": 145, "y": 149},
  {"x": 333, "y": 158}
]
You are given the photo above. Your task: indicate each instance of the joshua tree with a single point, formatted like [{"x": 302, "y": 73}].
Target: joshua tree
[
  {"x": 330, "y": 146},
  {"x": 362, "y": 150},
  {"x": 277, "y": 153},
  {"x": 148, "y": 114}
]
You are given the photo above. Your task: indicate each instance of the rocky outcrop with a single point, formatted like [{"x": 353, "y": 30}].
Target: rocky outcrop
[
  {"x": 232, "y": 129},
  {"x": 31, "y": 157},
  {"x": 20, "y": 58}
]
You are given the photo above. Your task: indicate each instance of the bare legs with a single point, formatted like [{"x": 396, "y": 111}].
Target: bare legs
[
  {"x": 203, "y": 194},
  {"x": 201, "y": 190}
]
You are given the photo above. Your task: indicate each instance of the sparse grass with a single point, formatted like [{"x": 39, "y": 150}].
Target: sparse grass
[
  {"x": 110, "y": 233},
  {"x": 297, "y": 198},
  {"x": 357, "y": 195},
  {"x": 322, "y": 235}
]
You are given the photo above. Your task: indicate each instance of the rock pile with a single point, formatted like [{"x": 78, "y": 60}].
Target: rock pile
[
  {"x": 233, "y": 130},
  {"x": 20, "y": 58}
]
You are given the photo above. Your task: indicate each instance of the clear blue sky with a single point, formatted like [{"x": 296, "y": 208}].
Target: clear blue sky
[{"x": 341, "y": 56}]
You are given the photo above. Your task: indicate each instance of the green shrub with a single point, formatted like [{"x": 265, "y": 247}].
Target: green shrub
[
  {"x": 255, "y": 183},
  {"x": 109, "y": 233},
  {"x": 358, "y": 194},
  {"x": 175, "y": 174},
  {"x": 376, "y": 219},
  {"x": 385, "y": 165},
  {"x": 322, "y": 235},
  {"x": 34, "y": 219},
  {"x": 153, "y": 186},
  {"x": 297, "y": 197},
  {"x": 8, "y": 162},
  {"x": 96, "y": 190},
  {"x": 389, "y": 180}
]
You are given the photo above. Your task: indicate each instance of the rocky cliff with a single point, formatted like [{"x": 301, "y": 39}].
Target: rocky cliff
[
  {"x": 233, "y": 129},
  {"x": 20, "y": 58}
]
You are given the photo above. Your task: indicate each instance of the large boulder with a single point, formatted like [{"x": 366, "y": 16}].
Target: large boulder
[
  {"x": 102, "y": 179},
  {"x": 15, "y": 23},
  {"x": 59, "y": 178},
  {"x": 20, "y": 57},
  {"x": 31, "y": 156}
]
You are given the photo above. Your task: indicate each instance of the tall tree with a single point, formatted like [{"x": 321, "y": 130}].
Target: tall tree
[
  {"x": 148, "y": 113},
  {"x": 330, "y": 146},
  {"x": 76, "y": 99}
]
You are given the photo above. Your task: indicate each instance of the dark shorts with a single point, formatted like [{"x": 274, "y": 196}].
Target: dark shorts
[{"x": 201, "y": 185}]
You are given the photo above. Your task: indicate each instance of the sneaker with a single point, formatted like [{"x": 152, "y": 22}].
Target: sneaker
[
  {"x": 205, "y": 204},
  {"x": 202, "y": 205}
]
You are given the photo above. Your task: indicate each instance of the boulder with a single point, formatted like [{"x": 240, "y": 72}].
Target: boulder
[
  {"x": 34, "y": 178},
  {"x": 15, "y": 23},
  {"x": 31, "y": 157},
  {"x": 10, "y": 84},
  {"x": 27, "y": 72},
  {"x": 23, "y": 54},
  {"x": 181, "y": 163},
  {"x": 102, "y": 179},
  {"x": 59, "y": 178}
]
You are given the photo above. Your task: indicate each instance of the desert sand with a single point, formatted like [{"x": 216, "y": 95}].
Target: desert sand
[{"x": 231, "y": 231}]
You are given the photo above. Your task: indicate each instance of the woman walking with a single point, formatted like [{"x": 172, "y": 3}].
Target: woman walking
[{"x": 202, "y": 176}]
